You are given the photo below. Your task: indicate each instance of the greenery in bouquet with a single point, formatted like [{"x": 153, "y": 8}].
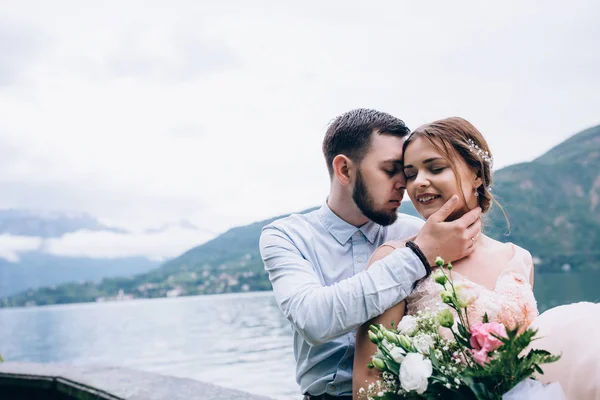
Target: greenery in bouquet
[{"x": 479, "y": 360}]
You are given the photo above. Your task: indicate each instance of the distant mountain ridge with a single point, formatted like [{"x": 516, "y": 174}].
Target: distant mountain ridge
[
  {"x": 553, "y": 204},
  {"x": 36, "y": 268},
  {"x": 48, "y": 224}
]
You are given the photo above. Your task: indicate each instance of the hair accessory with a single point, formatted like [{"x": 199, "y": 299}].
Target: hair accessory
[{"x": 485, "y": 156}]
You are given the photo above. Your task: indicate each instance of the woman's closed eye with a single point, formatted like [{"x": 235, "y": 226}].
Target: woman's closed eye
[{"x": 411, "y": 174}]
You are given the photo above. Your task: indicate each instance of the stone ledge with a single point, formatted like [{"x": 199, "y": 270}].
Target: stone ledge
[{"x": 109, "y": 383}]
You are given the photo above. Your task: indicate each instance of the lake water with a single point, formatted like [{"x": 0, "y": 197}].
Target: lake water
[{"x": 240, "y": 341}]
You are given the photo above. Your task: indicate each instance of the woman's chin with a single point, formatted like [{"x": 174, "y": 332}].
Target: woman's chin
[{"x": 427, "y": 212}]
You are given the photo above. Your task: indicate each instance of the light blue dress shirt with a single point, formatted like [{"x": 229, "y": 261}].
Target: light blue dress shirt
[{"x": 316, "y": 263}]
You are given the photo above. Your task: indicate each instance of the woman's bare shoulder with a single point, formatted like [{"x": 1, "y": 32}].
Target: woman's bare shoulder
[
  {"x": 385, "y": 249},
  {"x": 502, "y": 249}
]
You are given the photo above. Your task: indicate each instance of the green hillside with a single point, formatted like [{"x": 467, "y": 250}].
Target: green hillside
[{"x": 553, "y": 204}]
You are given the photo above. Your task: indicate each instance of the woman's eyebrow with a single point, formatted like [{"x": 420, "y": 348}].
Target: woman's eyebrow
[{"x": 429, "y": 160}]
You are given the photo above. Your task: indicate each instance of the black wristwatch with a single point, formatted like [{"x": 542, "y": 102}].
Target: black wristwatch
[{"x": 413, "y": 246}]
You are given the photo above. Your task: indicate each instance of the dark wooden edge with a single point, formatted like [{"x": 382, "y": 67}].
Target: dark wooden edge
[{"x": 59, "y": 384}]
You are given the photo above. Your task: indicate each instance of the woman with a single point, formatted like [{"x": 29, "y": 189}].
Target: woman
[{"x": 442, "y": 159}]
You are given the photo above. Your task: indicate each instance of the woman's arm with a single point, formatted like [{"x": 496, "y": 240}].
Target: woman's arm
[{"x": 361, "y": 375}]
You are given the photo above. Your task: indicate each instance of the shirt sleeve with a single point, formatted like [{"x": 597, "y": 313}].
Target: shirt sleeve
[{"x": 320, "y": 313}]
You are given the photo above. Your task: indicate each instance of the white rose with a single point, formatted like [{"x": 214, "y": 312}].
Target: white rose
[
  {"x": 414, "y": 372},
  {"x": 397, "y": 354},
  {"x": 407, "y": 325},
  {"x": 465, "y": 295},
  {"x": 423, "y": 343}
]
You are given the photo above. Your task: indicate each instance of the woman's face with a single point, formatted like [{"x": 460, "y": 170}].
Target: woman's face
[{"x": 430, "y": 180}]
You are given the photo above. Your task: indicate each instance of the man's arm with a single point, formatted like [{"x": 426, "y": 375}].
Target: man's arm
[{"x": 320, "y": 313}]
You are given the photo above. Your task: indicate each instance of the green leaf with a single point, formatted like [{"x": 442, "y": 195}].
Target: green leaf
[
  {"x": 464, "y": 333},
  {"x": 538, "y": 369},
  {"x": 392, "y": 366}
]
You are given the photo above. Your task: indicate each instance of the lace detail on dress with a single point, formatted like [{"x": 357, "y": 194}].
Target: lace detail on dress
[{"x": 511, "y": 303}]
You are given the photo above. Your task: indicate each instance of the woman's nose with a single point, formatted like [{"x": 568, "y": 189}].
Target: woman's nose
[{"x": 421, "y": 180}]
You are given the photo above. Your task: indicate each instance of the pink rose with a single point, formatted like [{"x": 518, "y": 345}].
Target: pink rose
[{"x": 483, "y": 340}]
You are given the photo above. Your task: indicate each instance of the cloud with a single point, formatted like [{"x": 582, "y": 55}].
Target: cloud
[
  {"x": 152, "y": 53},
  {"x": 215, "y": 112},
  {"x": 155, "y": 245},
  {"x": 19, "y": 45},
  {"x": 11, "y": 246},
  {"x": 78, "y": 235}
]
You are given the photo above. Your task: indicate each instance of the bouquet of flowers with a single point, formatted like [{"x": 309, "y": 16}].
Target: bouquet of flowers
[{"x": 482, "y": 360}]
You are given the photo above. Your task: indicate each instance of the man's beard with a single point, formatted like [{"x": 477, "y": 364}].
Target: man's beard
[{"x": 365, "y": 203}]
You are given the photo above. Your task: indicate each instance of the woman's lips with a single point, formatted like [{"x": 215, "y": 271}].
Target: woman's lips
[{"x": 427, "y": 198}]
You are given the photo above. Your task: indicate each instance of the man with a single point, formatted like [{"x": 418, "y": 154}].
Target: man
[{"x": 316, "y": 261}]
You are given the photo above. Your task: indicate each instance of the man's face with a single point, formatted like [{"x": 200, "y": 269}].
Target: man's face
[{"x": 380, "y": 183}]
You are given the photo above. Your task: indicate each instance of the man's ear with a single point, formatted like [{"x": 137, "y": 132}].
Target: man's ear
[{"x": 343, "y": 169}]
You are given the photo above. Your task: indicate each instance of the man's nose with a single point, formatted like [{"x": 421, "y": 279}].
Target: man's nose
[{"x": 400, "y": 183}]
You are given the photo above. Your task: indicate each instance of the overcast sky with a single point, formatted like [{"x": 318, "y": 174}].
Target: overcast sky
[{"x": 141, "y": 113}]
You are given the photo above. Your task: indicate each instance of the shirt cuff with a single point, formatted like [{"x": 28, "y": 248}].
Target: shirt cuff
[{"x": 412, "y": 267}]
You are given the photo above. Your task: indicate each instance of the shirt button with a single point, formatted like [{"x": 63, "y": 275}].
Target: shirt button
[
  {"x": 344, "y": 366},
  {"x": 357, "y": 234},
  {"x": 360, "y": 259},
  {"x": 333, "y": 387}
]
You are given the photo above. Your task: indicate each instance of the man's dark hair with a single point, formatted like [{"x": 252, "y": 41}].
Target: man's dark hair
[{"x": 350, "y": 133}]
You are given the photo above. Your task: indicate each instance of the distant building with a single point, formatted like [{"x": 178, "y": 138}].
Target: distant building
[{"x": 176, "y": 292}]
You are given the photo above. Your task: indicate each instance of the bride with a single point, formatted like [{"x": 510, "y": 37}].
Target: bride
[{"x": 449, "y": 158}]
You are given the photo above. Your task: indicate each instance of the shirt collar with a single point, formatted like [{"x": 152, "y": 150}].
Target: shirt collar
[
  {"x": 341, "y": 230},
  {"x": 370, "y": 230}
]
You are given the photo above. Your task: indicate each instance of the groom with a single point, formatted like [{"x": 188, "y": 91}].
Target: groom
[{"x": 316, "y": 261}]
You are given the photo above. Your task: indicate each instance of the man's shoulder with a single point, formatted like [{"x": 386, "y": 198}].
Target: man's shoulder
[
  {"x": 293, "y": 222},
  {"x": 406, "y": 225}
]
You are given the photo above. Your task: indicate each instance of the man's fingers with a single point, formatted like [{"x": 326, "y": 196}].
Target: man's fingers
[
  {"x": 474, "y": 230},
  {"x": 470, "y": 250},
  {"x": 471, "y": 217},
  {"x": 444, "y": 212}
]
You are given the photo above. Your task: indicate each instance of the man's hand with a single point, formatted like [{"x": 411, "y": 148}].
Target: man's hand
[{"x": 450, "y": 240}]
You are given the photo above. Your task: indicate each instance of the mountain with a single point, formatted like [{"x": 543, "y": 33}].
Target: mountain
[
  {"x": 48, "y": 224},
  {"x": 35, "y": 268},
  {"x": 552, "y": 204}
]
